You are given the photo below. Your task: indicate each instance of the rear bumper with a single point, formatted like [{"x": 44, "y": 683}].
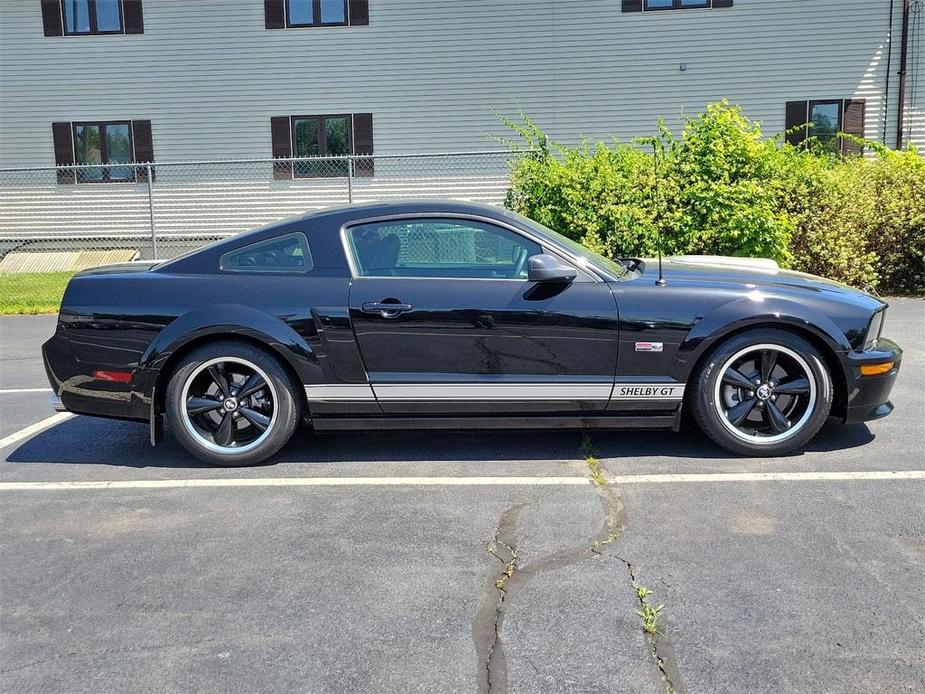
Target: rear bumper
[
  {"x": 869, "y": 396},
  {"x": 75, "y": 390}
]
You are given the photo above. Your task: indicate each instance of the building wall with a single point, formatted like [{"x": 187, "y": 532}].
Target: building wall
[{"x": 209, "y": 75}]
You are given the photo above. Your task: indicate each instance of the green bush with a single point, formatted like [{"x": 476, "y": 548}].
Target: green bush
[{"x": 726, "y": 189}]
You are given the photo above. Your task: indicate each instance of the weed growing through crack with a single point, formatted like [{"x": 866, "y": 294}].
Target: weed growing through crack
[
  {"x": 649, "y": 613},
  {"x": 594, "y": 465}
]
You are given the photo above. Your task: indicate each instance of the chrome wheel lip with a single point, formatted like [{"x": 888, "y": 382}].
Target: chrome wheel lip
[
  {"x": 208, "y": 444},
  {"x": 797, "y": 427}
]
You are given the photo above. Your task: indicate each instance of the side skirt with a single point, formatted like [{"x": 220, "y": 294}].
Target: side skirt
[{"x": 666, "y": 420}]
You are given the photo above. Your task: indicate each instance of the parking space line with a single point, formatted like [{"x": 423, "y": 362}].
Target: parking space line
[
  {"x": 10, "y": 391},
  {"x": 458, "y": 481},
  {"x": 299, "y": 482},
  {"x": 34, "y": 428},
  {"x": 846, "y": 476}
]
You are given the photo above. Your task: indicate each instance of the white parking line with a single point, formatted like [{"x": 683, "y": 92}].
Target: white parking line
[
  {"x": 771, "y": 477},
  {"x": 460, "y": 481},
  {"x": 34, "y": 428},
  {"x": 10, "y": 391},
  {"x": 298, "y": 482}
]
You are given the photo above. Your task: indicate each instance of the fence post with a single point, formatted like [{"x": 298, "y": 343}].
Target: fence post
[
  {"x": 151, "y": 213},
  {"x": 350, "y": 180}
]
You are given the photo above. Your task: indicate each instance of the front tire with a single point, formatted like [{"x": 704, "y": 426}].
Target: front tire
[
  {"x": 231, "y": 404},
  {"x": 764, "y": 392}
]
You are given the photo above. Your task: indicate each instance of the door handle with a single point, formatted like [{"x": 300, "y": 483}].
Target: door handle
[{"x": 386, "y": 309}]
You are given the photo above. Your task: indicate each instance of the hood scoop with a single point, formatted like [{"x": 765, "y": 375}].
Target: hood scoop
[{"x": 760, "y": 264}]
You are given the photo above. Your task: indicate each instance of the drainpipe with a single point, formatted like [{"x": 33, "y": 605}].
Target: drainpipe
[
  {"x": 904, "y": 50},
  {"x": 889, "y": 69}
]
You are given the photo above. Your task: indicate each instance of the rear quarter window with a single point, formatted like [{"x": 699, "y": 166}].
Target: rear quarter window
[{"x": 283, "y": 254}]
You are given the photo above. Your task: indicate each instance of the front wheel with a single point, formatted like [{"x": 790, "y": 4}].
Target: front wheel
[
  {"x": 762, "y": 393},
  {"x": 231, "y": 404}
]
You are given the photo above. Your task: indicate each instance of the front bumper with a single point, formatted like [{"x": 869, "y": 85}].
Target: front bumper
[{"x": 869, "y": 396}]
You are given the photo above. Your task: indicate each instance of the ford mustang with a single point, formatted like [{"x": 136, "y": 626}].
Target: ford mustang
[{"x": 449, "y": 315}]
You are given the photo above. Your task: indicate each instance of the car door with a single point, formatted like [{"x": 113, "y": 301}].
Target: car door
[{"x": 447, "y": 322}]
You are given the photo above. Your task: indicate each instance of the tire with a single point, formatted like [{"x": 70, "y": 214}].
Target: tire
[
  {"x": 765, "y": 392},
  {"x": 214, "y": 419}
]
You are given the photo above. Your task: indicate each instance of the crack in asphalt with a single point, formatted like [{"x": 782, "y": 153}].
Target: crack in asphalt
[
  {"x": 503, "y": 586},
  {"x": 659, "y": 645},
  {"x": 486, "y": 629}
]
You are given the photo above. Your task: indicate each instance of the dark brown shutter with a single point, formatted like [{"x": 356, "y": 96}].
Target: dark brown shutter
[
  {"x": 797, "y": 114},
  {"x": 51, "y": 17},
  {"x": 133, "y": 17},
  {"x": 274, "y": 14},
  {"x": 722, "y": 3},
  {"x": 853, "y": 124},
  {"x": 632, "y": 5},
  {"x": 282, "y": 145},
  {"x": 363, "y": 143},
  {"x": 64, "y": 151},
  {"x": 359, "y": 12},
  {"x": 144, "y": 147}
]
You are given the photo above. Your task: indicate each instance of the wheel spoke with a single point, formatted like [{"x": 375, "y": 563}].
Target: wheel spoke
[
  {"x": 251, "y": 386},
  {"x": 768, "y": 362},
  {"x": 200, "y": 405},
  {"x": 261, "y": 421},
  {"x": 737, "y": 414},
  {"x": 220, "y": 380},
  {"x": 795, "y": 386},
  {"x": 736, "y": 378},
  {"x": 775, "y": 418},
  {"x": 224, "y": 435}
]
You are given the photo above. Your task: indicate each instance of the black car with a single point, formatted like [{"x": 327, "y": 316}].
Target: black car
[{"x": 448, "y": 315}]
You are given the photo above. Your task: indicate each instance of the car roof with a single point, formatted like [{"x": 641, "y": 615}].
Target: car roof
[{"x": 400, "y": 207}]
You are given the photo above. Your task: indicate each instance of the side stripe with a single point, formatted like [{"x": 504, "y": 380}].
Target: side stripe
[
  {"x": 359, "y": 392},
  {"x": 492, "y": 391},
  {"x": 441, "y": 392}
]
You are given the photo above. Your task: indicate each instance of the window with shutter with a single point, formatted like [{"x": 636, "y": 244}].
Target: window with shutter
[
  {"x": 282, "y": 14},
  {"x": 108, "y": 148},
  {"x": 91, "y": 17},
  {"x": 656, "y": 5},
  {"x": 823, "y": 120},
  {"x": 320, "y": 139}
]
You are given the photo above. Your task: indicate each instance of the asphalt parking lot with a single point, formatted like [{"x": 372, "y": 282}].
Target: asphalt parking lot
[{"x": 379, "y": 562}]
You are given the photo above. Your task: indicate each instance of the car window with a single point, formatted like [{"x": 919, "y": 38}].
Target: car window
[
  {"x": 439, "y": 248},
  {"x": 287, "y": 253}
]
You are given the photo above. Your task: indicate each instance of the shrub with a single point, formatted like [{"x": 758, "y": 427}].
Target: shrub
[{"x": 723, "y": 188}]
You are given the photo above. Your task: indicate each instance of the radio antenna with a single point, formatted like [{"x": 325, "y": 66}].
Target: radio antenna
[{"x": 658, "y": 217}]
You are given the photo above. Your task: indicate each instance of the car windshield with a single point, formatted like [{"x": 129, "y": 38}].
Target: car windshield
[{"x": 611, "y": 266}]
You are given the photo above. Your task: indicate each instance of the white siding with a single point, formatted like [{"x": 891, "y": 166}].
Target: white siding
[{"x": 209, "y": 75}]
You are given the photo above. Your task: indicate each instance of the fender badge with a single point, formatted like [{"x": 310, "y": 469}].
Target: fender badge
[{"x": 649, "y": 346}]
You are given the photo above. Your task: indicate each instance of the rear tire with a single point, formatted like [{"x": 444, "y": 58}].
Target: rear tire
[
  {"x": 765, "y": 392},
  {"x": 231, "y": 404}
]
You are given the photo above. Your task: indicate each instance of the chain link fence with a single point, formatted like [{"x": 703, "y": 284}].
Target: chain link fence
[{"x": 64, "y": 219}]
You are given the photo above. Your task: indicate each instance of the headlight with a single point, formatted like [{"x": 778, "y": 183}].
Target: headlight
[{"x": 874, "y": 330}]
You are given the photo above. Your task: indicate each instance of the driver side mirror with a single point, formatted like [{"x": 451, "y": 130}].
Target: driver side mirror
[{"x": 547, "y": 268}]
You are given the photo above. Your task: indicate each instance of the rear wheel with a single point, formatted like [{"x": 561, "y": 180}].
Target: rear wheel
[
  {"x": 231, "y": 404},
  {"x": 762, "y": 393}
]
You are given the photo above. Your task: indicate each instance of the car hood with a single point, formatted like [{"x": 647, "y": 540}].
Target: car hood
[{"x": 755, "y": 274}]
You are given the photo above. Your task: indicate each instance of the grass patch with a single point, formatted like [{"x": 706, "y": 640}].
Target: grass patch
[{"x": 32, "y": 292}]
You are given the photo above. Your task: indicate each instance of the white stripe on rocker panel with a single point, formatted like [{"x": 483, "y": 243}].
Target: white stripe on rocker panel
[
  {"x": 492, "y": 391},
  {"x": 391, "y": 392}
]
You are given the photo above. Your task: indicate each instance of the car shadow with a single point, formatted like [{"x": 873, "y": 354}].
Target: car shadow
[{"x": 91, "y": 441}]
